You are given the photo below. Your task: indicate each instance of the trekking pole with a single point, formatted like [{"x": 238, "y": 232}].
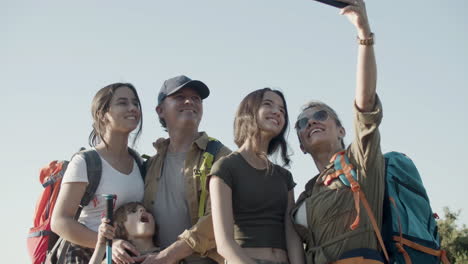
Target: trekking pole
[{"x": 109, "y": 214}]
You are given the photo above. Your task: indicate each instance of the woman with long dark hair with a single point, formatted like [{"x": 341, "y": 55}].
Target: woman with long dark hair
[{"x": 116, "y": 112}]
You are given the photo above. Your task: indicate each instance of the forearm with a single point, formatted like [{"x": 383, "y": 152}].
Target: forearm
[
  {"x": 366, "y": 75},
  {"x": 74, "y": 232},
  {"x": 98, "y": 254},
  {"x": 176, "y": 252},
  {"x": 294, "y": 246},
  {"x": 232, "y": 252},
  {"x": 200, "y": 238}
]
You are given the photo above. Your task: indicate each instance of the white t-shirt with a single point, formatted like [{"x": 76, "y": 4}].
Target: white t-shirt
[{"x": 128, "y": 188}]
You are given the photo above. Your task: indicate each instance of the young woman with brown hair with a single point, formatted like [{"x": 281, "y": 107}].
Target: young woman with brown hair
[{"x": 251, "y": 196}]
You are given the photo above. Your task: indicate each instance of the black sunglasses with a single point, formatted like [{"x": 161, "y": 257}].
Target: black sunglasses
[{"x": 321, "y": 115}]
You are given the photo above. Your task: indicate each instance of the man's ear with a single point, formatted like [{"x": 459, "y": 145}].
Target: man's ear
[{"x": 159, "y": 110}]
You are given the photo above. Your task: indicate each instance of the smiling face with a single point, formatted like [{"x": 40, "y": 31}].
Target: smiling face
[
  {"x": 182, "y": 109},
  {"x": 270, "y": 115},
  {"x": 124, "y": 111},
  {"x": 139, "y": 223},
  {"x": 319, "y": 132}
]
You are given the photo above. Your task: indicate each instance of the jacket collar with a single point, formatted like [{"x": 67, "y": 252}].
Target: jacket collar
[{"x": 161, "y": 145}]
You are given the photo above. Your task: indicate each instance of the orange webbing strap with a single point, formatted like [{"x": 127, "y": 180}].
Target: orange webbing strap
[
  {"x": 398, "y": 245},
  {"x": 357, "y": 260},
  {"x": 336, "y": 155},
  {"x": 443, "y": 257},
  {"x": 438, "y": 253},
  {"x": 404, "y": 253},
  {"x": 374, "y": 224},
  {"x": 330, "y": 177},
  {"x": 355, "y": 187},
  {"x": 400, "y": 241}
]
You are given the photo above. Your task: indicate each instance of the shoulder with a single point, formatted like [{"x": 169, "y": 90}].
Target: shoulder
[
  {"x": 78, "y": 159},
  {"x": 282, "y": 171},
  {"x": 223, "y": 151},
  {"x": 227, "y": 161},
  {"x": 203, "y": 141},
  {"x": 286, "y": 176},
  {"x": 76, "y": 170}
]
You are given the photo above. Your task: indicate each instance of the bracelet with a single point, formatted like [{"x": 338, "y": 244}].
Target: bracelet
[{"x": 366, "y": 42}]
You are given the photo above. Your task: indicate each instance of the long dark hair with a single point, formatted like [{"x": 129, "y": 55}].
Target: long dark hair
[
  {"x": 246, "y": 124},
  {"x": 100, "y": 106}
]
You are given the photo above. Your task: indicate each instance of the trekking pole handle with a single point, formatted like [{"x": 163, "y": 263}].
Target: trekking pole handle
[{"x": 109, "y": 214}]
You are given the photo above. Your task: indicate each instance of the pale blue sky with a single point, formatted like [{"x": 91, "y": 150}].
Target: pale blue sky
[{"x": 56, "y": 54}]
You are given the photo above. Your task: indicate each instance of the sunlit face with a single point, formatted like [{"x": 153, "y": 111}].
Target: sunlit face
[
  {"x": 319, "y": 130},
  {"x": 271, "y": 119},
  {"x": 184, "y": 108},
  {"x": 140, "y": 223},
  {"x": 124, "y": 111}
]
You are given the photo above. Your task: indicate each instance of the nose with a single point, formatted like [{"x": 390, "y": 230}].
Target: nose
[
  {"x": 188, "y": 100},
  {"x": 276, "y": 111},
  {"x": 311, "y": 122},
  {"x": 133, "y": 108},
  {"x": 141, "y": 210}
]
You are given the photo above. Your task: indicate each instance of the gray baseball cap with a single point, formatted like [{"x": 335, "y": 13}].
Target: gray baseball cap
[{"x": 174, "y": 84}]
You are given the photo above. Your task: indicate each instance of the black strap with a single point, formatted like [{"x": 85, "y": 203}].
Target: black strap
[
  {"x": 139, "y": 161},
  {"x": 213, "y": 147},
  {"x": 94, "y": 171}
]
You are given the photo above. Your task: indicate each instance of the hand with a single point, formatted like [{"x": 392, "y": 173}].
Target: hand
[
  {"x": 105, "y": 231},
  {"x": 120, "y": 254},
  {"x": 357, "y": 14}
]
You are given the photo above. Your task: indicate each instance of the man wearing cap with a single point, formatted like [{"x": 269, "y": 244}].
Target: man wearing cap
[{"x": 171, "y": 188}]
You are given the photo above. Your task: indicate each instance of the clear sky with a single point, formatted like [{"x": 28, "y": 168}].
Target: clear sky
[{"x": 55, "y": 55}]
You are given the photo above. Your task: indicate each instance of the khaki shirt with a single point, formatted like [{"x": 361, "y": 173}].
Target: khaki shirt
[
  {"x": 331, "y": 210},
  {"x": 200, "y": 237}
]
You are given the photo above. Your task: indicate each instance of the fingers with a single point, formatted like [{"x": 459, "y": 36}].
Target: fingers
[
  {"x": 349, "y": 9},
  {"x": 352, "y": 2},
  {"x": 120, "y": 251},
  {"x": 106, "y": 230},
  {"x": 129, "y": 247}
]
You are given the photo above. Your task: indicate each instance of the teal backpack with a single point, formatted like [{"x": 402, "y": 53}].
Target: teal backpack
[{"x": 409, "y": 231}]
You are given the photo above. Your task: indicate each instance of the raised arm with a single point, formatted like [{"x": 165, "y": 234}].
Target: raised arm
[
  {"x": 366, "y": 75},
  {"x": 223, "y": 223}
]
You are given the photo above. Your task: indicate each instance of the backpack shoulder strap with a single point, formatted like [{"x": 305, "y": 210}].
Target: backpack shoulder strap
[
  {"x": 94, "y": 171},
  {"x": 344, "y": 170},
  {"x": 139, "y": 161},
  {"x": 212, "y": 149}
]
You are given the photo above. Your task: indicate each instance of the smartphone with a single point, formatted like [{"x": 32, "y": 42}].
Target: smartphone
[{"x": 333, "y": 3}]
